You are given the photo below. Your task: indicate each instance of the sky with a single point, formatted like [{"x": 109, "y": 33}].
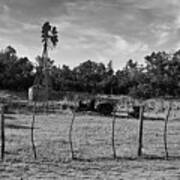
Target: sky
[{"x": 99, "y": 30}]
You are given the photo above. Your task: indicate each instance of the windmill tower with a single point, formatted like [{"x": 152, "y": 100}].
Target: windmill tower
[{"x": 49, "y": 39}]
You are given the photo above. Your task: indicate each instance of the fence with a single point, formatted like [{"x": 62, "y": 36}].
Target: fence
[{"x": 70, "y": 125}]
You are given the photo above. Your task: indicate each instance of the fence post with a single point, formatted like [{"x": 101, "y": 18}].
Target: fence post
[
  {"x": 2, "y": 134},
  {"x": 165, "y": 131},
  {"x": 70, "y": 134},
  {"x": 113, "y": 138},
  {"x": 140, "y": 130},
  {"x": 32, "y": 130}
]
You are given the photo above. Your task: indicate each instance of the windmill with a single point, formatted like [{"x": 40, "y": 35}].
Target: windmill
[{"x": 49, "y": 39}]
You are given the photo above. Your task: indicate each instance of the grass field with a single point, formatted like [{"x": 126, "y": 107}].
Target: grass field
[{"x": 92, "y": 142}]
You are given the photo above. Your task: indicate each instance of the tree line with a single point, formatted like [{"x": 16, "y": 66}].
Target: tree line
[{"x": 158, "y": 76}]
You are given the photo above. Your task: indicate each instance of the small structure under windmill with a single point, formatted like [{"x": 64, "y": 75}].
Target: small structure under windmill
[{"x": 36, "y": 93}]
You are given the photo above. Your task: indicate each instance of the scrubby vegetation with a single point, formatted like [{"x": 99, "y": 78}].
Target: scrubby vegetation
[
  {"x": 159, "y": 76},
  {"x": 15, "y": 73}
]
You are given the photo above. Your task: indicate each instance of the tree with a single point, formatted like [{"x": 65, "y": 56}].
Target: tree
[
  {"x": 89, "y": 75},
  {"x": 15, "y": 71},
  {"x": 157, "y": 66},
  {"x": 129, "y": 78},
  {"x": 174, "y": 74},
  {"x": 63, "y": 78},
  {"x": 24, "y": 75}
]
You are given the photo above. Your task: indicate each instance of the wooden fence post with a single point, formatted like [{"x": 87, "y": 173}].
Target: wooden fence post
[
  {"x": 70, "y": 134},
  {"x": 32, "y": 130},
  {"x": 165, "y": 131},
  {"x": 113, "y": 138},
  {"x": 2, "y": 134},
  {"x": 140, "y": 130}
]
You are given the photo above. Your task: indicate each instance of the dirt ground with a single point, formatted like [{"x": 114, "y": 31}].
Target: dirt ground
[{"x": 92, "y": 142}]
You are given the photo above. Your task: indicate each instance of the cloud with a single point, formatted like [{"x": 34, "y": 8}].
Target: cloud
[{"x": 93, "y": 29}]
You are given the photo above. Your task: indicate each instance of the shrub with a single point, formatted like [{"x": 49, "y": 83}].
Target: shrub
[
  {"x": 105, "y": 108},
  {"x": 64, "y": 106},
  {"x": 135, "y": 112}
]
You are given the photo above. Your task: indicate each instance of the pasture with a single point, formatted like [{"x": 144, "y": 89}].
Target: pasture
[{"x": 93, "y": 150}]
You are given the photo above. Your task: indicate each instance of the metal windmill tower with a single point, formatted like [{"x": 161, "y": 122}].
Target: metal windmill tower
[{"x": 49, "y": 39}]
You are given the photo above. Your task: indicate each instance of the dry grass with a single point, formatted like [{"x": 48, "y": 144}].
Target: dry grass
[{"x": 92, "y": 141}]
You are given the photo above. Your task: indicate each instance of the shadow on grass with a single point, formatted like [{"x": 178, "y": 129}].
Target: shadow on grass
[
  {"x": 123, "y": 158},
  {"x": 14, "y": 126},
  {"x": 154, "y": 118},
  {"x": 155, "y": 157},
  {"x": 10, "y": 117},
  {"x": 176, "y": 119},
  {"x": 148, "y": 118},
  {"x": 98, "y": 159},
  {"x": 144, "y": 158}
]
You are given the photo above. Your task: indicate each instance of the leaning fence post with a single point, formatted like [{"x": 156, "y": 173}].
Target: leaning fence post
[
  {"x": 141, "y": 111},
  {"x": 70, "y": 134},
  {"x": 32, "y": 130},
  {"x": 165, "y": 131},
  {"x": 2, "y": 134},
  {"x": 113, "y": 139}
]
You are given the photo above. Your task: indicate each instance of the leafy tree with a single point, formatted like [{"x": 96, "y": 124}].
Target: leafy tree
[
  {"x": 158, "y": 72},
  {"x": 89, "y": 74},
  {"x": 129, "y": 77},
  {"x": 173, "y": 71},
  {"x": 15, "y": 73}
]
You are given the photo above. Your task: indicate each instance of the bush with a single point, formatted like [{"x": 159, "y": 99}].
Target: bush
[
  {"x": 64, "y": 106},
  {"x": 142, "y": 91},
  {"x": 135, "y": 112},
  {"x": 86, "y": 105},
  {"x": 105, "y": 108}
]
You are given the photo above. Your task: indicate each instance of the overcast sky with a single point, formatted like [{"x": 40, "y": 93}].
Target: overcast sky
[{"x": 100, "y": 30}]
